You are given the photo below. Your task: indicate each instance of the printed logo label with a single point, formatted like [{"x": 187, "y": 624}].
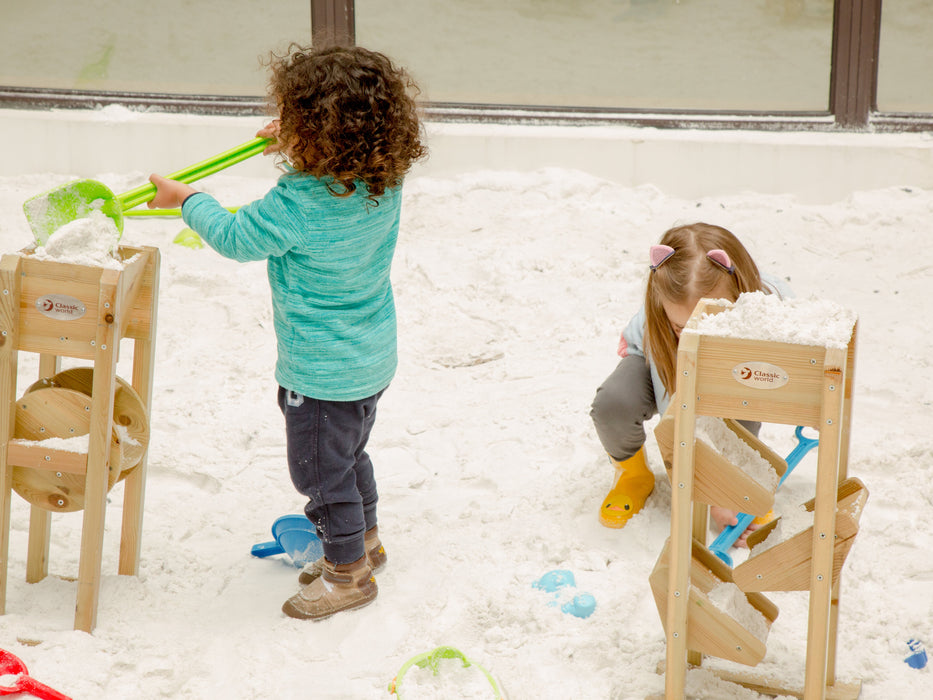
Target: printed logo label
[
  {"x": 61, "y": 307},
  {"x": 759, "y": 375}
]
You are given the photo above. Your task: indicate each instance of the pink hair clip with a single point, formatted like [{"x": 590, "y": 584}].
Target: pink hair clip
[
  {"x": 659, "y": 255},
  {"x": 721, "y": 259}
]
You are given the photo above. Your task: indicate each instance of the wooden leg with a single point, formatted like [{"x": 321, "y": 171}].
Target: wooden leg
[
  {"x": 98, "y": 458},
  {"x": 135, "y": 484},
  {"x": 37, "y": 560},
  {"x": 134, "y": 487},
  {"x": 5, "y": 503},
  {"x": 682, "y": 520},
  {"x": 833, "y": 631},
  {"x": 40, "y": 520},
  {"x": 10, "y": 289},
  {"x": 824, "y": 526}
]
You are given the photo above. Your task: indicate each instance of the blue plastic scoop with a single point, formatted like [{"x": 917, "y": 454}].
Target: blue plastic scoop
[{"x": 295, "y": 536}]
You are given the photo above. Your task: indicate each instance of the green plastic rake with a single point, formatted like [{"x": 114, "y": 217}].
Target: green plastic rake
[{"x": 49, "y": 211}]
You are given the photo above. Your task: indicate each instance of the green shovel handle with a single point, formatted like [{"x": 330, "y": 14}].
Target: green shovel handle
[{"x": 146, "y": 193}]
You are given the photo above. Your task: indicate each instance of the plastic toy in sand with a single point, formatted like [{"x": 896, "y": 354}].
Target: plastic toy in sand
[
  {"x": 581, "y": 605},
  {"x": 437, "y": 673},
  {"x": 294, "y": 536},
  {"x": 918, "y": 654},
  {"x": 189, "y": 239},
  {"x": 15, "y": 680}
]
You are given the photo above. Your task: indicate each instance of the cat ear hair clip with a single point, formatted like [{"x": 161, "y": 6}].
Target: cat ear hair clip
[
  {"x": 659, "y": 255},
  {"x": 721, "y": 260}
]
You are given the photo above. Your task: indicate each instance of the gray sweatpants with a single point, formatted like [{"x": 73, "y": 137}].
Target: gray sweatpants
[{"x": 623, "y": 403}]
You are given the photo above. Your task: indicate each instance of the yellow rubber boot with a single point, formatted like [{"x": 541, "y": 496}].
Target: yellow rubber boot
[
  {"x": 764, "y": 519},
  {"x": 634, "y": 483}
]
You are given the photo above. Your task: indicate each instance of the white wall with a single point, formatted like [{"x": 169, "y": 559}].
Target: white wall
[{"x": 817, "y": 167}]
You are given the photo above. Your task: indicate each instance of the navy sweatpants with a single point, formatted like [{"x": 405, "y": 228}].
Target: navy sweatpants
[{"x": 328, "y": 463}]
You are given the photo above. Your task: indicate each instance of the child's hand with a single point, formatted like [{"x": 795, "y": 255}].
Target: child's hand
[
  {"x": 169, "y": 193},
  {"x": 724, "y": 518},
  {"x": 270, "y": 131}
]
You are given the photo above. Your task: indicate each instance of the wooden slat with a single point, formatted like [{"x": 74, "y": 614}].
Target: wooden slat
[
  {"x": 720, "y": 394},
  {"x": 771, "y": 686},
  {"x": 36, "y": 456}
]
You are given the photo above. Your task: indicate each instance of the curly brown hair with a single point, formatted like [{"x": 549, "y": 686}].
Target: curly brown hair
[{"x": 348, "y": 114}]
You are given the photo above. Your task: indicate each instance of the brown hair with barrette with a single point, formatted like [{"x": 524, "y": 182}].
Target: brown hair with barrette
[{"x": 705, "y": 258}]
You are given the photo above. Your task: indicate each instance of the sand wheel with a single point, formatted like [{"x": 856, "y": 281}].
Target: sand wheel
[
  {"x": 60, "y": 407},
  {"x": 130, "y": 423}
]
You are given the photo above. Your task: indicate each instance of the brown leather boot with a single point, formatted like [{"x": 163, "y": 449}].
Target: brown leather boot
[
  {"x": 339, "y": 587},
  {"x": 374, "y": 550}
]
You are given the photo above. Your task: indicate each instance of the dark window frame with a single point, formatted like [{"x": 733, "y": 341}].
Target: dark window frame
[{"x": 852, "y": 99}]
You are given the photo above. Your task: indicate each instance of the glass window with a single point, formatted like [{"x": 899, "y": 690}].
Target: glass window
[
  {"x": 768, "y": 55},
  {"x": 170, "y": 46},
  {"x": 905, "y": 63}
]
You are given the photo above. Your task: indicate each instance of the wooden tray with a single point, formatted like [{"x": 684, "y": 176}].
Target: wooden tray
[
  {"x": 717, "y": 481},
  {"x": 710, "y": 630},
  {"x": 786, "y": 566}
]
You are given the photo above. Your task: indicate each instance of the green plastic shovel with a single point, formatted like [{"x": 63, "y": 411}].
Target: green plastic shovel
[{"x": 49, "y": 211}]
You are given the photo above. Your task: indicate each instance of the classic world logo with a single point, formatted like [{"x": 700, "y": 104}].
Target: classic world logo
[
  {"x": 759, "y": 375},
  {"x": 61, "y": 307}
]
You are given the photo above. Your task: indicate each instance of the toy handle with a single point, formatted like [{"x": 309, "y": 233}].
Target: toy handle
[
  {"x": 266, "y": 549},
  {"x": 724, "y": 541},
  {"x": 145, "y": 193},
  {"x": 28, "y": 684},
  {"x": 804, "y": 445}
]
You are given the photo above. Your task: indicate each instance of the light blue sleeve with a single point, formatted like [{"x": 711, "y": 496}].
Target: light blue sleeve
[
  {"x": 634, "y": 334},
  {"x": 775, "y": 285},
  {"x": 258, "y": 231}
]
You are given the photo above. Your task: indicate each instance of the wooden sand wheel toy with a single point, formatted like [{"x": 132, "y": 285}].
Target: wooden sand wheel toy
[
  {"x": 728, "y": 374},
  {"x": 73, "y": 434},
  {"x": 60, "y": 407}
]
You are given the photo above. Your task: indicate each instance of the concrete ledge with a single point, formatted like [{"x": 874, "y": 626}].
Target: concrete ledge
[{"x": 816, "y": 166}]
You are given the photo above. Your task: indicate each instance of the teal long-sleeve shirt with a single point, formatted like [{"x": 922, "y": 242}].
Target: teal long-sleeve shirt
[{"x": 329, "y": 260}]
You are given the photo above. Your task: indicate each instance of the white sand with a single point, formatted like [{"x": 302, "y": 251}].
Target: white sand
[
  {"x": 730, "y": 599},
  {"x": 810, "y": 321},
  {"x": 91, "y": 240},
  {"x": 715, "y": 433},
  {"x": 511, "y": 290}
]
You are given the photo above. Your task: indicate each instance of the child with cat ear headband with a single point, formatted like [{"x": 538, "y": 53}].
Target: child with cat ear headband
[{"x": 688, "y": 263}]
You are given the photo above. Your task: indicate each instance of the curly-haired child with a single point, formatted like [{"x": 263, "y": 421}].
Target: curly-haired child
[{"x": 349, "y": 130}]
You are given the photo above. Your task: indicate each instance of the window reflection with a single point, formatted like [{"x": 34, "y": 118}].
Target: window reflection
[
  {"x": 905, "y": 64},
  {"x": 769, "y": 55},
  {"x": 172, "y": 46}
]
